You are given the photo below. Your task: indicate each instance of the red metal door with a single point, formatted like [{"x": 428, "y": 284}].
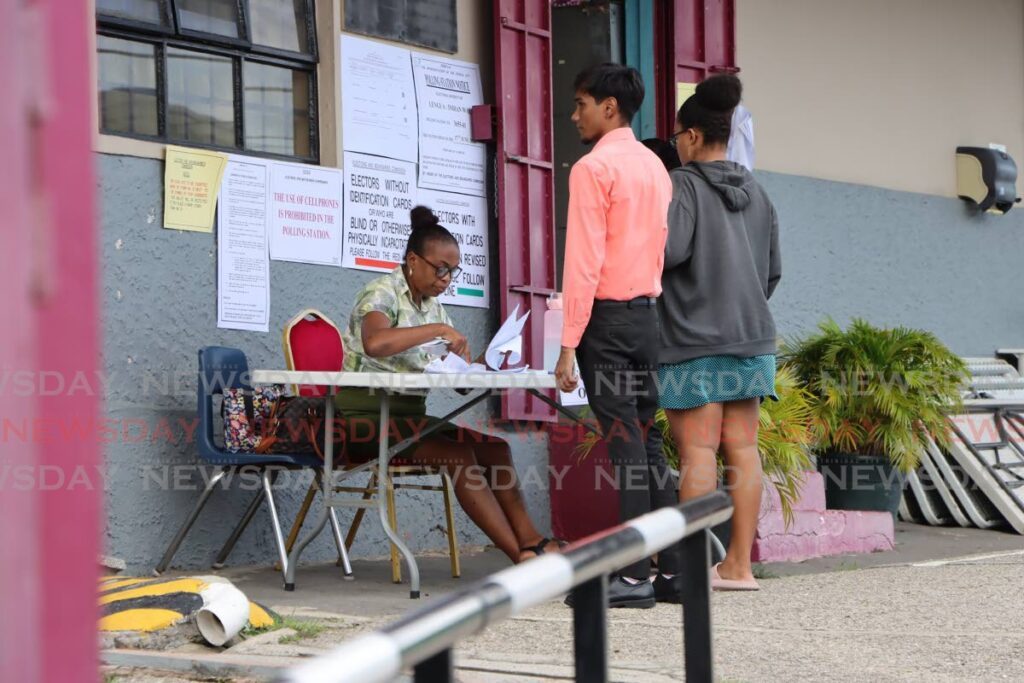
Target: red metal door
[
  {"x": 525, "y": 177},
  {"x": 701, "y": 41}
]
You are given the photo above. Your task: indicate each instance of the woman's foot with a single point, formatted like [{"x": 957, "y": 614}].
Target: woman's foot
[
  {"x": 542, "y": 546},
  {"x": 729, "y": 570},
  {"x": 725, "y": 578}
]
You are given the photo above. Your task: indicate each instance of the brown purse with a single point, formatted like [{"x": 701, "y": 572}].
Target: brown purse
[{"x": 294, "y": 426}]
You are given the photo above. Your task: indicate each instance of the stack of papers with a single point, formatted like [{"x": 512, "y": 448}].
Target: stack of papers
[{"x": 506, "y": 348}]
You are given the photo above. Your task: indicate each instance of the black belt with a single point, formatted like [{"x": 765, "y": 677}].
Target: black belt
[{"x": 639, "y": 302}]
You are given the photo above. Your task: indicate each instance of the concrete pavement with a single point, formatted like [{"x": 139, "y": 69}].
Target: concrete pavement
[{"x": 921, "y": 612}]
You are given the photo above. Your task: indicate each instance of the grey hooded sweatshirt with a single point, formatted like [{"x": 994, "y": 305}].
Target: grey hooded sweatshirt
[{"x": 721, "y": 265}]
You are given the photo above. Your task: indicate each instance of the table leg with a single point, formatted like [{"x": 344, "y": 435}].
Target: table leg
[
  {"x": 561, "y": 410},
  {"x": 383, "y": 457},
  {"x": 328, "y": 491}
]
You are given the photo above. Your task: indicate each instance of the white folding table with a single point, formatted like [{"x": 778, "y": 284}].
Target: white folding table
[{"x": 385, "y": 384}]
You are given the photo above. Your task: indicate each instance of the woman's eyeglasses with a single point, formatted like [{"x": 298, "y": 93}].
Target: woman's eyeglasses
[{"x": 442, "y": 271}]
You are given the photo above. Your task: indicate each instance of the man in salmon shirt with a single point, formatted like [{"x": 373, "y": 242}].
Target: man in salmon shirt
[{"x": 617, "y": 225}]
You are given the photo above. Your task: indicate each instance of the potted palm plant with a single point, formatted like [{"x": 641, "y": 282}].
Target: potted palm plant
[{"x": 877, "y": 394}]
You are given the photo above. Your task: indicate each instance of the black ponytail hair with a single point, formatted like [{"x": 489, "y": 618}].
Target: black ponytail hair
[
  {"x": 425, "y": 228},
  {"x": 709, "y": 109}
]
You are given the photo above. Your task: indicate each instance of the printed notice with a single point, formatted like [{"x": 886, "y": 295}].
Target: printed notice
[
  {"x": 243, "y": 268},
  {"x": 191, "y": 181},
  {"x": 466, "y": 218},
  {"x": 446, "y": 89},
  {"x": 378, "y": 106},
  {"x": 305, "y": 214},
  {"x": 379, "y": 193},
  {"x": 683, "y": 92}
]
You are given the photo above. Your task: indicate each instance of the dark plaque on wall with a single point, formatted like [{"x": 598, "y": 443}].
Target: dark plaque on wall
[{"x": 430, "y": 23}]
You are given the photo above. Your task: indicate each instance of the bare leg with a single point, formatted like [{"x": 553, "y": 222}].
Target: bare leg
[
  {"x": 743, "y": 477},
  {"x": 697, "y": 433},
  {"x": 469, "y": 479},
  {"x": 494, "y": 454}
]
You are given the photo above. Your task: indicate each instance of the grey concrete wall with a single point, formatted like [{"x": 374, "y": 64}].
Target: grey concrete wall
[
  {"x": 897, "y": 258},
  {"x": 159, "y": 306}
]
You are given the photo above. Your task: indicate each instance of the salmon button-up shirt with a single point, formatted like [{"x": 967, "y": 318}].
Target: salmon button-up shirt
[{"x": 617, "y": 225}]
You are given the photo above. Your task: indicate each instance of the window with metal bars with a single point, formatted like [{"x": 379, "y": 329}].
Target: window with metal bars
[{"x": 235, "y": 75}]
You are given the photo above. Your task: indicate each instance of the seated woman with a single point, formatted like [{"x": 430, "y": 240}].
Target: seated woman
[{"x": 393, "y": 316}]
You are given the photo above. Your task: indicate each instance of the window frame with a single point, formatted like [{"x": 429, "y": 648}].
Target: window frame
[{"x": 238, "y": 51}]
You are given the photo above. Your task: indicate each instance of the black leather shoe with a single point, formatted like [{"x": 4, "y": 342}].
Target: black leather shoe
[
  {"x": 669, "y": 590},
  {"x": 624, "y": 594}
]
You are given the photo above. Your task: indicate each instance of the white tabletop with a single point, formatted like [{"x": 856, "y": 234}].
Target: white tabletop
[{"x": 396, "y": 381}]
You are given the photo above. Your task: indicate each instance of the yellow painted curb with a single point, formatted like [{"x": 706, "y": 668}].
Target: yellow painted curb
[
  {"x": 144, "y": 620},
  {"x": 258, "y": 617}
]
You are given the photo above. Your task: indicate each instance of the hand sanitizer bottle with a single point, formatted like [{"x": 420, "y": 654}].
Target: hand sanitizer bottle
[{"x": 552, "y": 332}]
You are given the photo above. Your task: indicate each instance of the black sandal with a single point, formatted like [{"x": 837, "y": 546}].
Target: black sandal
[{"x": 538, "y": 549}]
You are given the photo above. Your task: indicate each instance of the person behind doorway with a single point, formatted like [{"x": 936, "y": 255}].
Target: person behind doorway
[
  {"x": 718, "y": 336},
  {"x": 618, "y": 203},
  {"x": 393, "y": 316},
  {"x": 665, "y": 151}
]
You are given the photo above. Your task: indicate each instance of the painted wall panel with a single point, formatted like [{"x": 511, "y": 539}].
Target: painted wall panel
[
  {"x": 897, "y": 258},
  {"x": 880, "y": 92}
]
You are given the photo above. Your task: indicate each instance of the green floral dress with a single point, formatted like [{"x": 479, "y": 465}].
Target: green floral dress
[{"x": 390, "y": 295}]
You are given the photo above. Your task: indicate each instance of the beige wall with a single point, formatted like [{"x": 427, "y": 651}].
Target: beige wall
[{"x": 880, "y": 92}]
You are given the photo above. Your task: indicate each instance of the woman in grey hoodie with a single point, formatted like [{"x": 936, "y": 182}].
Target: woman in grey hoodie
[{"x": 718, "y": 337}]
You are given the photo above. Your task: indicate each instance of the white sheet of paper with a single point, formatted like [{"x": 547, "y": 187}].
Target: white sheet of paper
[
  {"x": 449, "y": 363},
  {"x": 446, "y": 89},
  {"x": 576, "y": 397},
  {"x": 454, "y": 364},
  {"x": 378, "y": 109},
  {"x": 305, "y": 213},
  {"x": 243, "y": 264},
  {"x": 435, "y": 348},
  {"x": 507, "y": 341}
]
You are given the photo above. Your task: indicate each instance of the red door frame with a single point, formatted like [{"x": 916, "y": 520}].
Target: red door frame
[
  {"x": 701, "y": 41},
  {"x": 525, "y": 178}
]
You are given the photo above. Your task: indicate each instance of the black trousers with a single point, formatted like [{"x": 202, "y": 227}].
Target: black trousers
[{"x": 618, "y": 359}]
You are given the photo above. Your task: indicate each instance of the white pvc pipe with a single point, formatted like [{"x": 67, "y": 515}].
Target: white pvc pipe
[{"x": 224, "y": 613}]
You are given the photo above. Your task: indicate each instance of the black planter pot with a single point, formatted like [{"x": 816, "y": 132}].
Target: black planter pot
[{"x": 861, "y": 482}]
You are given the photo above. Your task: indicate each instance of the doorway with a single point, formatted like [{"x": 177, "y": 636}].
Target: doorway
[{"x": 581, "y": 35}]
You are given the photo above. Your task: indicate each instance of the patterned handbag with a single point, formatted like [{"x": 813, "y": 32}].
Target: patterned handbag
[{"x": 245, "y": 414}]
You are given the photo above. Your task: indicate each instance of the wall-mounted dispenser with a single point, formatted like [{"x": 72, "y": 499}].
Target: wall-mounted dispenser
[{"x": 986, "y": 176}]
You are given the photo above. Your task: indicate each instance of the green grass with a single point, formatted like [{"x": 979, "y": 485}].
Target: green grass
[
  {"x": 303, "y": 628},
  {"x": 249, "y": 631},
  {"x": 762, "y": 572},
  {"x": 847, "y": 567}
]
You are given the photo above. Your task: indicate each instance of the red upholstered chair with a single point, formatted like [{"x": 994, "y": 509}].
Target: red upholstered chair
[{"x": 312, "y": 342}]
